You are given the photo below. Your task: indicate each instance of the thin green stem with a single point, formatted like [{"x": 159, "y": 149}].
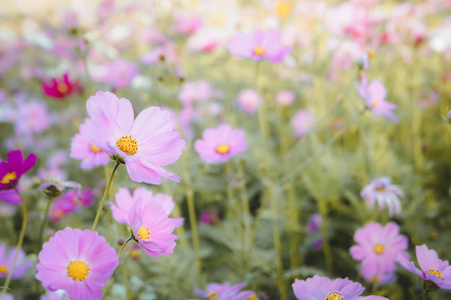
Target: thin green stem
[
  {"x": 44, "y": 223},
  {"x": 105, "y": 195},
  {"x": 426, "y": 295},
  {"x": 123, "y": 246},
  {"x": 325, "y": 232},
  {"x": 18, "y": 246}
]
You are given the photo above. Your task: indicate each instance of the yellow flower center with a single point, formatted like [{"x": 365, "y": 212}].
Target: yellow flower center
[
  {"x": 77, "y": 270},
  {"x": 95, "y": 149},
  {"x": 283, "y": 8},
  {"x": 135, "y": 254},
  {"x": 127, "y": 144},
  {"x": 223, "y": 149},
  {"x": 334, "y": 296},
  {"x": 375, "y": 279},
  {"x": 144, "y": 233},
  {"x": 212, "y": 296},
  {"x": 3, "y": 269},
  {"x": 374, "y": 103},
  {"x": 378, "y": 249},
  {"x": 8, "y": 177},
  {"x": 259, "y": 51},
  {"x": 435, "y": 272},
  {"x": 253, "y": 297},
  {"x": 62, "y": 88}
]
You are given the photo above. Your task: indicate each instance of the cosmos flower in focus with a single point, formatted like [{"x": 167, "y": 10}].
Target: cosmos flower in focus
[
  {"x": 374, "y": 94},
  {"x": 385, "y": 194},
  {"x": 60, "y": 88},
  {"x": 81, "y": 148},
  {"x": 144, "y": 144},
  {"x": 259, "y": 45},
  {"x": 323, "y": 288},
  {"x": 225, "y": 291},
  {"x": 79, "y": 262},
  {"x": 433, "y": 269},
  {"x": 303, "y": 122},
  {"x": 10, "y": 173},
  {"x": 6, "y": 261},
  {"x": 220, "y": 144}
]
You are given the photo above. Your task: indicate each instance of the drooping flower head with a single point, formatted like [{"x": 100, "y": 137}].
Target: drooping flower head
[
  {"x": 220, "y": 144},
  {"x": 433, "y": 269},
  {"x": 225, "y": 291},
  {"x": 374, "y": 95},
  {"x": 248, "y": 100},
  {"x": 10, "y": 173},
  {"x": 303, "y": 122},
  {"x": 323, "y": 288},
  {"x": 377, "y": 248},
  {"x": 60, "y": 88},
  {"x": 259, "y": 45},
  {"x": 81, "y": 148},
  {"x": 385, "y": 194},
  {"x": 6, "y": 261},
  {"x": 145, "y": 144},
  {"x": 79, "y": 262}
]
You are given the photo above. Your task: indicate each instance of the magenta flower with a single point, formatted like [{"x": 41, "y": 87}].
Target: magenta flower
[
  {"x": 377, "y": 248},
  {"x": 152, "y": 229},
  {"x": 225, "y": 291},
  {"x": 432, "y": 270},
  {"x": 81, "y": 148},
  {"x": 6, "y": 261},
  {"x": 210, "y": 217},
  {"x": 248, "y": 100},
  {"x": 145, "y": 144},
  {"x": 385, "y": 194},
  {"x": 79, "y": 262},
  {"x": 374, "y": 95},
  {"x": 125, "y": 202},
  {"x": 118, "y": 73},
  {"x": 219, "y": 145},
  {"x": 259, "y": 45},
  {"x": 60, "y": 88},
  {"x": 303, "y": 122},
  {"x": 10, "y": 173},
  {"x": 323, "y": 288}
]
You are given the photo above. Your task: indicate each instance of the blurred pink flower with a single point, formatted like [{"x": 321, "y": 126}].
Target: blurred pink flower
[
  {"x": 303, "y": 122},
  {"x": 210, "y": 217},
  {"x": 220, "y": 144},
  {"x": 195, "y": 91},
  {"x": 70, "y": 201},
  {"x": 248, "y": 99},
  {"x": 225, "y": 291},
  {"x": 259, "y": 45},
  {"x": 31, "y": 118},
  {"x": 285, "y": 98},
  {"x": 385, "y": 194},
  {"x": 118, "y": 73},
  {"x": 187, "y": 24},
  {"x": 6, "y": 261},
  {"x": 60, "y": 88}
]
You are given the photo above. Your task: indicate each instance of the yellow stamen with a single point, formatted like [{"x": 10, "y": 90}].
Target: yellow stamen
[
  {"x": 378, "y": 249},
  {"x": 144, "y": 233},
  {"x": 128, "y": 144},
  {"x": 8, "y": 177},
  {"x": 374, "y": 103},
  {"x": 95, "y": 149},
  {"x": 77, "y": 270},
  {"x": 259, "y": 51},
  {"x": 253, "y": 297},
  {"x": 223, "y": 149},
  {"x": 212, "y": 295},
  {"x": 375, "y": 279},
  {"x": 334, "y": 296},
  {"x": 3, "y": 269},
  {"x": 62, "y": 88},
  {"x": 435, "y": 272},
  {"x": 283, "y": 8}
]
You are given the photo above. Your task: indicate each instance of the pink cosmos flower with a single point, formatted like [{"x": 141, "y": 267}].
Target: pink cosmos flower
[
  {"x": 187, "y": 24},
  {"x": 145, "y": 144},
  {"x": 320, "y": 288},
  {"x": 433, "y": 269},
  {"x": 31, "y": 118},
  {"x": 210, "y": 217},
  {"x": 225, "y": 291},
  {"x": 195, "y": 91},
  {"x": 285, "y": 98},
  {"x": 60, "y": 88},
  {"x": 303, "y": 122},
  {"x": 378, "y": 247},
  {"x": 166, "y": 53},
  {"x": 10, "y": 173},
  {"x": 374, "y": 95},
  {"x": 79, "y": 262},
  {"x": 81, "y": 148},
  {"x": 6, "y": 261},
  {"x": 125, "y": 202},
  {"x": 377, "y": 275},
  {"x": 385, "y": 194},
  {"x": 248, "y": 100},
  {"x": 70, "y": 201},
  {"x": 313, "y": 227},
  {"x": 259, "y": 45},
  {"x": 152, "y": 228},
  {"x": 118, "y": 73},
  {"x": 219, "y": 145}
]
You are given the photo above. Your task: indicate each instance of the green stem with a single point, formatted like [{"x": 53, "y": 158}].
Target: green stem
[
  {"x": 325, "y": 231},
  {"x": 246, "y": 215},
  {"x": 105, "y": 195},
  {"x": 425, "y": 295},
  {"x": 18, "y": 246},
  {"x": 123, "y": 246},
  {"x": 44, "y": 223}
]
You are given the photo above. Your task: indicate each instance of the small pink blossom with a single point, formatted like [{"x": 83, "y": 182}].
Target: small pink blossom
[
  {"x": 303, "y": 123},
  {"x": 285, "y": 98},
  {"x": 187, "y": 24},
  {"x": 118, "y": 73},
  {"x": 195, "y": 91},
  {"x": 248, "y": 99}
]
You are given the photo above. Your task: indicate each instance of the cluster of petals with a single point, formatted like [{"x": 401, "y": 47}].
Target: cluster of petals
[
  {"x": 79, "y": 262},
  {"x": 145, "y": 143},
  {"x": 60, "y": 88},
  {"x": 432, "y": 268},
  {"x": 10, "y": 172},
  {"x": 225, "y": 291},
  {"x": 381, "y": 190},
  {"x": 378, "y": 248},
  {"x": 320, "y": 288},
  {"x": 6, "y": 262},
  {"x": 218, "y": 145}
]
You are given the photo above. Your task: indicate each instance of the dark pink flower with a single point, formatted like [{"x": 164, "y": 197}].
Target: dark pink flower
[{"x": 60, "y": 88}]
